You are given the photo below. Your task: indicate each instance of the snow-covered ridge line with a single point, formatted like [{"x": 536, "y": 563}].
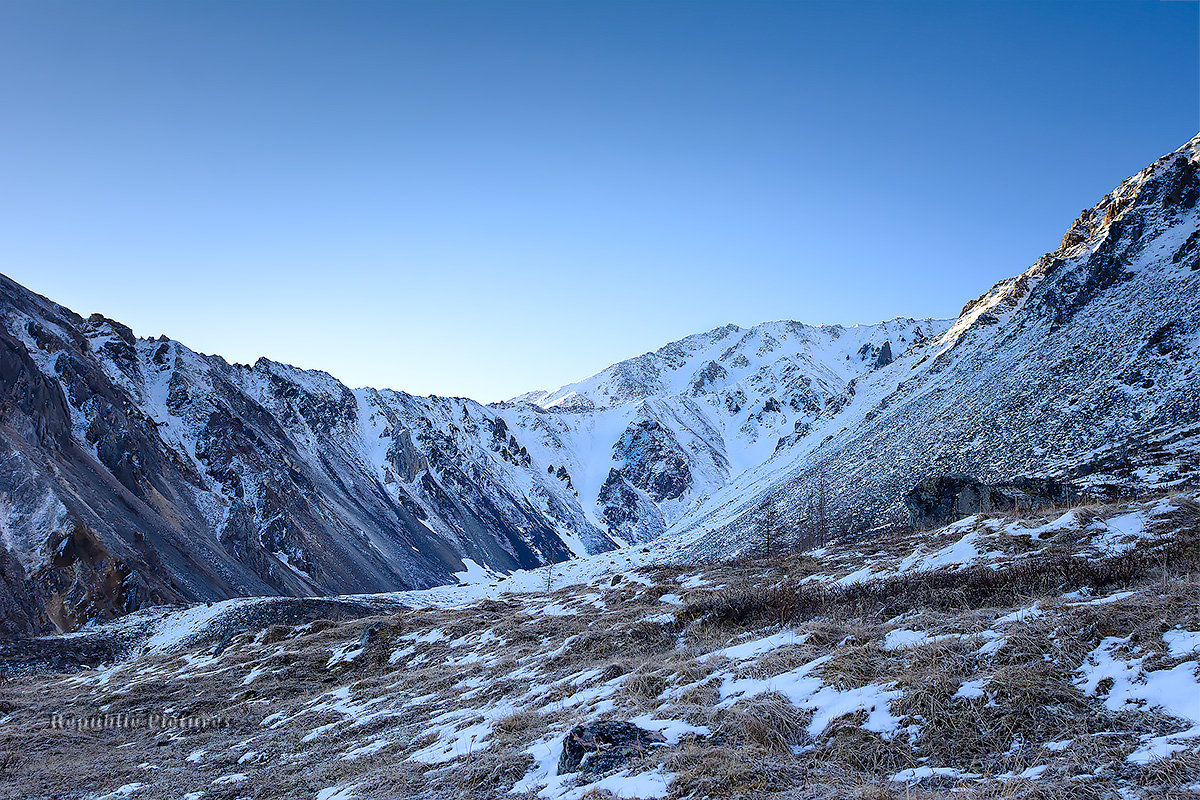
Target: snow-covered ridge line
[{"x": 1083, "y": 367}]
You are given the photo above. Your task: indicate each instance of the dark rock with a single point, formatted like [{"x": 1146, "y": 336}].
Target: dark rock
[
  {"x": 599, "y": 747},
  {"x": 654, "y": 460},
  {"x": 1187, "y": 251},
  {"x": 618, "y": 501},
  {"x": 734, "y": 401},
  {"x": 939, "y": 499},
  {"x": 562, "y": 475},
  {"x": 885, "y": 356},
  {"x": 405, "y": 458},
  {"x": 369, "y": 634},
  {"x": 706, "y": 377},
  {"x": 1168, "y": 338},
  {"x": 225, "y": 640}
]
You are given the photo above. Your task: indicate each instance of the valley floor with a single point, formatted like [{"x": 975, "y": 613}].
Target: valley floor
[{"x": 1050, "y": 655}]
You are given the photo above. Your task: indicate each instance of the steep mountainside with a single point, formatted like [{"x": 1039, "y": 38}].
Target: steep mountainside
[
  {"x": 137, "y": 471},
  {"x": 1084, "y": 367}
]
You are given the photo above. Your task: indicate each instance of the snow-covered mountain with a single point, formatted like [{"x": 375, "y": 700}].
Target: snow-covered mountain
[
  {"x": 136, "y": 471},
  {"x": 646, "y": 440},
  {"x": 1084, "y": 367}
]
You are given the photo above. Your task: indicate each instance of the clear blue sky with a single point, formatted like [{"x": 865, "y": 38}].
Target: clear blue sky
[{"x": 486, "y": 198}]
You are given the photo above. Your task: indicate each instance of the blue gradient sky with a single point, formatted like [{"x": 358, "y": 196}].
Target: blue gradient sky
[{"x": 486, "y": 198}]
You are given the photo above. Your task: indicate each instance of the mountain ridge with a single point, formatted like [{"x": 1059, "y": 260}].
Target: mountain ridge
[
  {"x": 1132, "y": 262},
  {"x": 136, "y": 472},
  {"x": 264, "y": 478}
]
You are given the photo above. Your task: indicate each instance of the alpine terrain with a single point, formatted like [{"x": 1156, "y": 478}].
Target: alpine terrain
[
  {"x": 921, "y": 557},
  {"x": 136, "y": 471}
]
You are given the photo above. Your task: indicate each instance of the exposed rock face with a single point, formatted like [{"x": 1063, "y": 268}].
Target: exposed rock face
[
  {"x": 627, "y": 511},
  {"x": 20, "y": 608},
  {"x": 135, "y": 472},
  {"x": 599, "y": 747},
  {"x": 885, "y": 356},
  {"x": 653, "y": 461},
  {"x": 940, "y": 499}
]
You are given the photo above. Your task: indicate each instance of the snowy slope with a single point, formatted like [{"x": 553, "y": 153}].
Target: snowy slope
[
  {"x": 1083, "y": 367},
  {"x": 647, "y": 439}
]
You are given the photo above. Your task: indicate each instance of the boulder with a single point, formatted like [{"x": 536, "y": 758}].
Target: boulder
[{"x": 603, "y": 746}]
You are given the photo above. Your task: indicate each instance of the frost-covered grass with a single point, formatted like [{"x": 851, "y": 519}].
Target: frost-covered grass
[{"x": 1036, "y": 657}]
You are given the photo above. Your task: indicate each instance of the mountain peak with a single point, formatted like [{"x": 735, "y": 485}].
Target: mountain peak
[{"x": 781, "y": 345}]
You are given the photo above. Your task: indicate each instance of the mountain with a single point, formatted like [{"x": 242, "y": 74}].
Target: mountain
[
  {"x": 1086, "y": 367},
  {"x": 647, "y": 439},
  {"x": 136, "y": 472}
]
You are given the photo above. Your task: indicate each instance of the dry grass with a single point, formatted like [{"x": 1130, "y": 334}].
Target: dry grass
[
  {"x": 539, "y": 669},
  {"x": 768, "y": 721},
  {"x": 720, "y": 771}
]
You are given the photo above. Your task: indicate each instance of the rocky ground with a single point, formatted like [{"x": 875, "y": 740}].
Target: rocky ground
[{"x": 1049, "y": 654}]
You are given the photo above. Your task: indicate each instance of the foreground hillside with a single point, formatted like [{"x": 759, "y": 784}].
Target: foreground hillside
[{"x": 1048, "y": 655}]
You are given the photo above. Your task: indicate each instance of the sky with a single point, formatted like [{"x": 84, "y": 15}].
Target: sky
[{"x": 483, "y": 199}]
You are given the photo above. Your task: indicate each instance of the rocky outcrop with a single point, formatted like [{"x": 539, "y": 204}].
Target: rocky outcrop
[
  {"x": 653, "y": 460},
  {"x": 945, "y": 498},
  {"x": 627, "y": 512},
  {"x": 21, "y": 610},
  {"x": 885, "y": 356}
]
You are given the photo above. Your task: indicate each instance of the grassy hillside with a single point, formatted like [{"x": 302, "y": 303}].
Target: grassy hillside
[{"x": 1050, "y": 655}]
